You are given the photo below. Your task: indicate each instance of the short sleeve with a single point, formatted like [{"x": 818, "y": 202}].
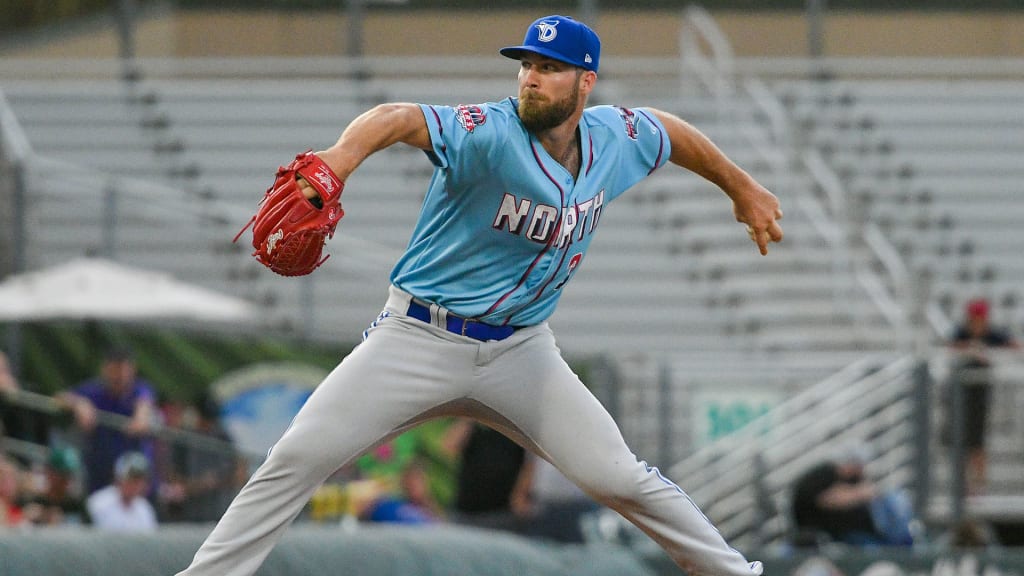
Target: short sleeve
[
  {"x": 655, "y": 147},
  {"x": 636, "y": 138},
  {"x": 462, "y": 136}
]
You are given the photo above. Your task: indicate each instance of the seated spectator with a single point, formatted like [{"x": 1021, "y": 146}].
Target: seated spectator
[
  {"x": 122, "y": 506},
  {"x": 60, "y": 501},
  {"x": 117, "y": 390},
  {"x": 11, "y": 514},
  {"x": 836, "y": 498},
  {"x": 411, "y": 503}
]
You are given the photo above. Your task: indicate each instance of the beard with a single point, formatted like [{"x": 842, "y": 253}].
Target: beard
[{"x": 539, "y": 114}]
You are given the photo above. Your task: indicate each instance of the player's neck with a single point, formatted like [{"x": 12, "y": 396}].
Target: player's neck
[{"x": 563, "y": 144}]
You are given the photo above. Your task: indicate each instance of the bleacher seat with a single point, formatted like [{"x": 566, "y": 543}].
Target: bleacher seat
[{"x": 935, "y": 165}]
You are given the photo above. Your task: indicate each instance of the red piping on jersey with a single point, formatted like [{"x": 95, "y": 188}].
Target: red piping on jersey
[
  {"x": 661, "y": 145},
  {"x": 536, "y": 260},
  {"x": 554, "y": 237},
  {"x": 440, "y": 128},
  {"x": 590, "y": 164},
  {"x": 560, "y": 262}
]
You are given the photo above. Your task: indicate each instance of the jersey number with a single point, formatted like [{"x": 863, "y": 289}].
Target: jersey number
[{"x": 573, "y": 263}]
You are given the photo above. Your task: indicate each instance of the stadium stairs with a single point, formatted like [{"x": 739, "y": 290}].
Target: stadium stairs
[{"x": 934, "y": 164}]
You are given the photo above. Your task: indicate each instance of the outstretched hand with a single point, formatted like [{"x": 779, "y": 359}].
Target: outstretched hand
[{"x": 759, "y": 209}]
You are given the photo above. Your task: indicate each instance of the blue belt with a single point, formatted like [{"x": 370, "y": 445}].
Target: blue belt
[{"x": 463, "y": 326}]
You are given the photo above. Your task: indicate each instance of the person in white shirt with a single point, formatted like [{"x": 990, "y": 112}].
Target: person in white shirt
[{"x": 122, "y": 506}]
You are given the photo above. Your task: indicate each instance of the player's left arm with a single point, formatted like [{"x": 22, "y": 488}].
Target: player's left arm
[{"x": 753, "y": 204}]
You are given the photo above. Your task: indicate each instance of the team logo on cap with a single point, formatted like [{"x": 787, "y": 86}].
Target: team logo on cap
[{"x": 546, "y": 31}]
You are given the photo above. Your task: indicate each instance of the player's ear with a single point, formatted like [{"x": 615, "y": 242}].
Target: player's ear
[{"x": 587, "y": 81}]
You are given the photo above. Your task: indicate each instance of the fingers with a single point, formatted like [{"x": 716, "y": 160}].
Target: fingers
[
  {"x": 761, "y": 239},
  {"x": 761, "y": 214},
  {"x": 307, "y": 190},
  {"x": 764, "y": 236}
]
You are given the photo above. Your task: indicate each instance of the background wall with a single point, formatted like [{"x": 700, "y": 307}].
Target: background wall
[{"x": 190, "y": 33}]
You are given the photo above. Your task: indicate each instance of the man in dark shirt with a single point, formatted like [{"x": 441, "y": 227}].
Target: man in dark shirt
[
  {"x": 119, "y": 390},
  {"x": 493, "y": 483},
  {"x": 836, "y": 498}
]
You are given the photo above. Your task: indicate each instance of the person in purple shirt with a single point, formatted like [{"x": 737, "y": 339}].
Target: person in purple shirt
[{"x": 119, "y": 390}]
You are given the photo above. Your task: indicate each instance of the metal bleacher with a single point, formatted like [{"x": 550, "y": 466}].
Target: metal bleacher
[
  {"x": 919, "y": 178},
  {"x": 935, "y": 164},
  {"x": 670, "y": 273},
  {"x": 213, "y": 141}
]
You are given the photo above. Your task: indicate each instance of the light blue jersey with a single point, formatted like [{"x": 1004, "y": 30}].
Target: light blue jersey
[{"x": 503, "y": 225}]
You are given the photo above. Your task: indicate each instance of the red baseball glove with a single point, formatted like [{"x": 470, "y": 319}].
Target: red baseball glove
[{"x": 289, "y": 230}]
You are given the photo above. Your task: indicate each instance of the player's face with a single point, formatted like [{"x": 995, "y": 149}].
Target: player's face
[{"x": 549, "y": 92}]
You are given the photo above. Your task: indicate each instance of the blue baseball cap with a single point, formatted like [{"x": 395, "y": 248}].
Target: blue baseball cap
[{"x": 560, "y": 38}]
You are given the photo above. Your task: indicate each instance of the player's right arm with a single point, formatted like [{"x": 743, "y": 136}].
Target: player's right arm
[{"x": 372, "y": 131}]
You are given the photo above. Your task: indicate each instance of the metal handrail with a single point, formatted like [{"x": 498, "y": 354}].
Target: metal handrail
[
  {"x": 829, "y": 182},
  {"x": 793, "y": 435},
  {"x": 13, "y": 142},
  {"x": 736, "y": 445},
  {"x": 716, "y": 71},
  {"x": 50, "y": 406},
  {"x": 895, "y": 307},
  {"x": 155, "y": 193},
  {"x": 937, "y": 318},
  {"x": 830, "y": 224},
  {"x": 769, "y": 103},
  {"x": 878, "y": 400},
  {"x": 886, "y": 254}
]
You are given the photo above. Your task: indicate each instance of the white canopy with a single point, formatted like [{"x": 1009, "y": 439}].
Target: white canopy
[{"x": 98, "y": 289}]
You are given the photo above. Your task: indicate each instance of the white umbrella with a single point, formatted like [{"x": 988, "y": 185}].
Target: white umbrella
[{"x": 98, "y": 289}]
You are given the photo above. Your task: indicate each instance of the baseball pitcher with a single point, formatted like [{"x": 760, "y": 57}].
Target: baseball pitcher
[{"x": 517, "y": 194}]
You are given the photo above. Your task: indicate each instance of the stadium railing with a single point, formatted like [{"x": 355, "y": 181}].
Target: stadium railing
[{"x": 898, "y": 405}]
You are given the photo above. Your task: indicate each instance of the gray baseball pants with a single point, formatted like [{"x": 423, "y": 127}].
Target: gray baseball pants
[{"x": 407, "y": 371}]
